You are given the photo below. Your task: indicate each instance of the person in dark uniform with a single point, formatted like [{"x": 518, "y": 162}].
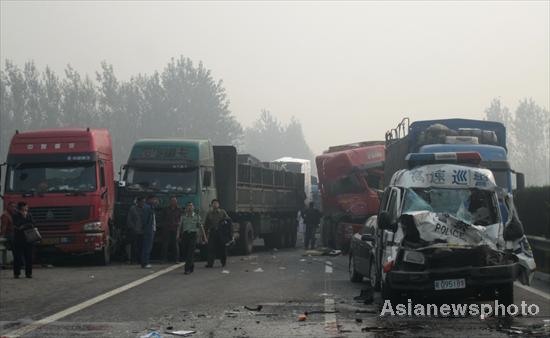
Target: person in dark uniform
[
  {"x": 134, "y": 230},
  {"x": 216, "y": 223},
  {"x": 22, "y": 250},
  {"x": 312, "y": 218},
  {"x": 170, "y": 222}
]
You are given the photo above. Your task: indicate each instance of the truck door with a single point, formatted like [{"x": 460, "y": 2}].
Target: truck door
[{"x": 104, "y": 196}]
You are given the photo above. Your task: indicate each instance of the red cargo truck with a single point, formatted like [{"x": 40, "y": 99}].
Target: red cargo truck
[
  {"x": 66, "y": 176},
  {"x": 350, "y": 177}
]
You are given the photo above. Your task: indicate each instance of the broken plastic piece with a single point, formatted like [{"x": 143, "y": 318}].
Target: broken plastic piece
[
  {"x": 153, "y": 334},
  {"x": 256, "y": 308},
  {"x": 181, "y": 333}
]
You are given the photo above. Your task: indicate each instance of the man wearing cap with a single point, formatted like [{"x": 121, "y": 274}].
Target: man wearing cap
[{"x": 215, "y": 233}]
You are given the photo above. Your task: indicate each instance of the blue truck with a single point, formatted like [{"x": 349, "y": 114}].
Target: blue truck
[{"x": 488, "y": 138}]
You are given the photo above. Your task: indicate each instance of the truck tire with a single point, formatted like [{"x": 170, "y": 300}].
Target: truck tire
[
  {"x": 246, "y": 239},
  {"x": 104, "y": 256},
  {"x": 293, "y": 237},
  {"x": 354, "y": 276}
]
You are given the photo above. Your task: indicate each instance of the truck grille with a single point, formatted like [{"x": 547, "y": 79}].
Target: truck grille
[
  {"x": 59, "y": 218},
  {"x": 52, "y": 227}
]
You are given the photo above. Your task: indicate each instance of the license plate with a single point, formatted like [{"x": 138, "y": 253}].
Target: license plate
[
  {"x": 49, "y": 241},
  {"x": 450, "y": 284}
]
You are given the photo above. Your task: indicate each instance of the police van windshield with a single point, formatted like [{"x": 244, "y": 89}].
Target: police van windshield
[
  {"x": 473, "y": 206},
  {"x": 180, "y": 180},
  {"x": 52, "y": 177}
]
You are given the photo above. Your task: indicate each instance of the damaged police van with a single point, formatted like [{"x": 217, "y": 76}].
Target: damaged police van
[{"x": 440, "y": 232}]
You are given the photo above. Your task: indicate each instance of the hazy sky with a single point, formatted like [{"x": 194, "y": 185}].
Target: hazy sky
[{"x": 347, "y": 71}]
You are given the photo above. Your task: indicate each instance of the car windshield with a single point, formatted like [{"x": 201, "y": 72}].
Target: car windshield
[
  {"x": 52, "y": 177},
  {"x": 181, "y": 180},
  {"x": 473, "y": 206}
]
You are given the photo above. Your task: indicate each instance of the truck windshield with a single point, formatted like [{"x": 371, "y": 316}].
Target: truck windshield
[
  {"x": 52, "y": 177},
  {"x": 346, "y": 185},
  {"x": 473, "y": 206},
  {"x": 181, "y": 180}
]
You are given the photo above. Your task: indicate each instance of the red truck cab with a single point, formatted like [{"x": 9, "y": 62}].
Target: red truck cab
[
  {"x": 349, "y": 180},
  {"x": 67, "y": 178}
]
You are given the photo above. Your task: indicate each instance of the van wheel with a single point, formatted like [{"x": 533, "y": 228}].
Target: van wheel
[
  {"x": 354, "y": 276},
  {"x": 505, "y": 294},
  {"x": 374, "y": 282}
]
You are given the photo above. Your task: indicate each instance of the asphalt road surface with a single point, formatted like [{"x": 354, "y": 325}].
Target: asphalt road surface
[{"x": 126, "y": 301}]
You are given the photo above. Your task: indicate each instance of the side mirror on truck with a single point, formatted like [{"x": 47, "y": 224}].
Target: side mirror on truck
[
  {"x": 207, "y": 179},
  {"x": 520, "y": 181},
  {"x": 384, "y": 221}
]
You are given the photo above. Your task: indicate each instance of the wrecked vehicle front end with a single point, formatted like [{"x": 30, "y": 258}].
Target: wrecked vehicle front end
[{"x": 451, "y": 241}]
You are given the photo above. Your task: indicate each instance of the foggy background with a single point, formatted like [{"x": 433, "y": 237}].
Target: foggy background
[{"x": 312, "y": 73}]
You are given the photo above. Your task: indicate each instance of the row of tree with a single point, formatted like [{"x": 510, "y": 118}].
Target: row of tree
[
  {"x": 528, "y": 133},
  {"x": 183, "y": 100}
]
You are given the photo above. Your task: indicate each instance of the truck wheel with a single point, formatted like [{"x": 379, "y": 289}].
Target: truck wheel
[
  {"x": 293, "y": 237},
  {"x": 354, "y": 276},
  {"x": 505, "y": 294},
  {"x": 247, "y": 239},
  {"x": 104, "y": 256}
]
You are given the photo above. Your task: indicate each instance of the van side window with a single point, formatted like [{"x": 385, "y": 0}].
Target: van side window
[{"x": 102, "y": 174}]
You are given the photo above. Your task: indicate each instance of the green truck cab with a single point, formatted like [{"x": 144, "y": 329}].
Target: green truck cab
[{"x": 262, "y": 199}]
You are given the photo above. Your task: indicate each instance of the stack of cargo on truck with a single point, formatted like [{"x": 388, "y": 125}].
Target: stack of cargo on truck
[
  {"x": 66, "y": 177},
  {"x": 349, "y": 181},
  {"x": 261, "y": 199}
]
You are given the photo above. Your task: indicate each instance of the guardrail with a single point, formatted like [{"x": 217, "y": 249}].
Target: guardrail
[
  {"x": 539, "y": 243},
  {"x": 541, "y": 252}
]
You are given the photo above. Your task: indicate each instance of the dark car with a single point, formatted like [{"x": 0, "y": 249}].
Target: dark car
[{"x": 362, "y": 253}]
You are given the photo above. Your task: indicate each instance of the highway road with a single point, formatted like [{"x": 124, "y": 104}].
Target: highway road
[{"x": 124, "y": 300}]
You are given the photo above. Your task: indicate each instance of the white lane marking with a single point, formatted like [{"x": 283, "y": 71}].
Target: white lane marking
[
  {"x": 69, "y": 311},
  {"x": 330, "y": 316},
  {"x": 328, "y": 267},
  {"x": 533, "y": 290}
]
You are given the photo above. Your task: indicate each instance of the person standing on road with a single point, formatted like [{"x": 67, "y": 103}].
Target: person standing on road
[
  {"x": 22, "y": 249},
  {"x": 187, "y": 232},
  {"x": 215, "y": 233},
  {"x": 171, "y": 221},
  {"x": 149, "y": 228},
  {"x": 6, "y": 227},
  {"x": 134, "y": 231},
  {"x": 312, "y": 218}
]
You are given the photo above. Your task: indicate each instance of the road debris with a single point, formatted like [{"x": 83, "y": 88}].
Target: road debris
[
  {"x": 259, "y": 270},
  {"x": 256, "y": 308},
  {"x": 302, "y": 317},
  {"x": 225, "y": 271},
  {"x": 367, "y": 311},
  {"x": 232, "y": 314},
  {"x": 181, "y": 333},
  {"x": 153, "y": 334}
]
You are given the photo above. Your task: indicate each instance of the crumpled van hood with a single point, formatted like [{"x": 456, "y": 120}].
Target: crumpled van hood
[{"x": 442, "y": 228}]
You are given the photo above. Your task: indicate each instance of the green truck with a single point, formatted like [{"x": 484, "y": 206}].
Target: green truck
[{"x": 261, "y": 198}]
